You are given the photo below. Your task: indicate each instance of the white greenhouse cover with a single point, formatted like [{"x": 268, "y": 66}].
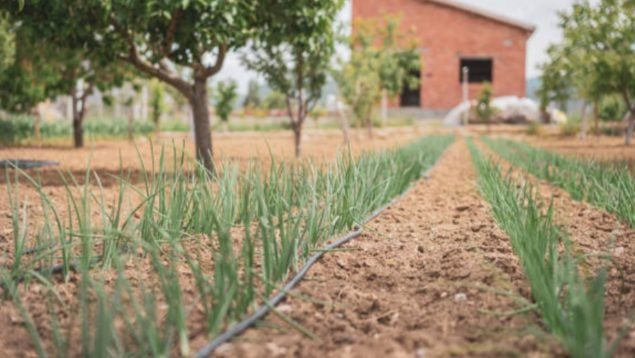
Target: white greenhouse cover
[{"x": 508, "y": 107}]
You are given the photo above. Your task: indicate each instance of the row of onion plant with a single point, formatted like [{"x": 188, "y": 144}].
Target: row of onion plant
[
  {"x": 607, "y": 186},
  {"x": 571, "y": 306},
  {"x": 179, "y": 253}
]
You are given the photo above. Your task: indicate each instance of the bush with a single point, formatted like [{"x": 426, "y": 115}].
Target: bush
[
  {"x": 612, "y": 108},
  {"x": 13, "y": 131},
  {"x": 534, "y": 129},
  {"x": 570, "y": 128},
  {"x": 174, "y": 126}
]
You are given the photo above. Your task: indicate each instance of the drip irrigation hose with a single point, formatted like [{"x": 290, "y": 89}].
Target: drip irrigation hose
[{"x": 263, "y": 310}]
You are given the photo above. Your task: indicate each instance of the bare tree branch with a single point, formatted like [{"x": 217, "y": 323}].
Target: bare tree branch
[
  {"x": 161, "y": 73},
  {"x": 220, "y": 59},
  {"x": 169, "y": 37}
]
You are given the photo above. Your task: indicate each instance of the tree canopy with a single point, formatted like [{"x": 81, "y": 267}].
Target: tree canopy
[
  {"x": 381, "y": 61},
  {"x": 597, "y": 54},
  {"x": 293, "y": 52},
  {"x": 156, "y": 37},
  {"x": 225, "y": 98}
]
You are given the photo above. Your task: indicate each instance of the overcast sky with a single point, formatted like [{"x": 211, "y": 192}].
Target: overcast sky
[{"x": 541, "y": 13}]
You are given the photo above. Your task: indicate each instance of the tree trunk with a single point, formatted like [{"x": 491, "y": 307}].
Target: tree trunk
[
  {"x": 631, "y": 127},
  {"x": 584, "y": 129},
  {"x": 130, "y": 130},
  {"x": 202, "y": 132},
  {"x": 37, "y": 124},
  {"x": 384, "y": 107},
  {"x": 297, "y": 136},
  {"x": 78, "y": 119},
  {"x": 344, "y": 122},
  {"x": 78, "y": 132},
  {"x": 596, "y": 118}
]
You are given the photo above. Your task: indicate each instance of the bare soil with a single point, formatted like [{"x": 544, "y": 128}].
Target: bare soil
[
  {"x": 432, "y": 276},
  {"x": 605, "y": 240}
]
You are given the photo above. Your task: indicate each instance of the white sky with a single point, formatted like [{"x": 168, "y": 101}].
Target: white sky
[{"x": 541, "y": 13}]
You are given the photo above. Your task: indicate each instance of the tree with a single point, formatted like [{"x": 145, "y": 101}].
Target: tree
[
  {"x": 25, "y": 80},
  {"x": 7, "y": 42},
  {"x": 599, "y": 43},
  {"x": 225, "y": 98},
  {"x": 379, "y": 63},
  {"x": 555, "y": 83},
  {"x": 157, "y": 38},
  {"x": 157, "y": 103},
  {"x": 293, "y": 53},
  {"x": 274, "y": 100},
  {"x": 43, "y": 70},
  {"x": 252, "y": 99},
  {"x": 484, "y": 110}
]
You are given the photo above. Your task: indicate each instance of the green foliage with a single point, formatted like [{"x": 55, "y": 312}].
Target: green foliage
[
  {"x": 555, "y": 80},
  {"x": 612, "y": 108},
  {"x": 572, "y": 309},
  {"x": 225, "y": 98},
  {"x": 274, "y": 100},
  {"x": 42, "y": 69},
  {"x": 534, "y": 129},
  {"x": 7, "y": 42},
  {"x": 284, "y": 213},
  {"x": 570, "y": 128},
  {"x": 293, "y": 52},
  {"x": 596, "y": 57},
  {"x": 252, "y": 99},
  {"x": 157, "y": 102},
  {"x": 608, "y": 187},
  {"x": 484, "y": 110},
  {"x": 379, "y": 62},
  {"x": 19, "y": 129}
]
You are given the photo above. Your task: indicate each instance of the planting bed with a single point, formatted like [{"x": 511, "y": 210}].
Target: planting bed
[
  {"x": 471, "y": 261},
  {"x": 193, "y": 254},
  {"x": 434, "y": 276}
]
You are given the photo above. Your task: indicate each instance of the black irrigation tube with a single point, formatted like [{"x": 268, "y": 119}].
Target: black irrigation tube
[{"x": 263, "y": 310}]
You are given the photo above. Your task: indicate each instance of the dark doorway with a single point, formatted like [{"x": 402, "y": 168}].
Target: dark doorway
[
  {"x": 480, "y": 69},
  {"x": 411, "y": 96}
]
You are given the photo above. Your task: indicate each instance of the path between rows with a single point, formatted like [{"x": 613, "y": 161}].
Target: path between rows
[{"x": 430, "y": 277}]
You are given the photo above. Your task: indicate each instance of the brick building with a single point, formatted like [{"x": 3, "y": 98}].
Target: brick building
[{"x": 450, "y": 36}]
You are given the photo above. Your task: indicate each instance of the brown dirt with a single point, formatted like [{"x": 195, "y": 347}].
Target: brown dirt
[
  {"x": 431, "y": 276},
  {"x": 104, "y": 157},
  {"x": 595, "y": 233},
  {"x": 602, "y": 148}
]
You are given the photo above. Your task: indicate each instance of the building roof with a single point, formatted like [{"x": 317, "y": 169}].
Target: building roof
[{"x": 486, "y": 14}]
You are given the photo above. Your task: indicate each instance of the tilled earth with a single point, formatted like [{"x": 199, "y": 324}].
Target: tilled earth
[{"x": 433, "y": 276}]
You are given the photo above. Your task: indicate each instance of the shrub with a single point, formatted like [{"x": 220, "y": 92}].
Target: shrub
[
  {"x": 535, "y": 129},
  {"x": 569, "y": 128},
  {"x": 18, "y": 129},
  {"x": 612, "y": 108}
]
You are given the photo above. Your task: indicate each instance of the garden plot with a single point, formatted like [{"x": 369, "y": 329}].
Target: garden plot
[
  {"x": 434, "y": 276},
  {"x": 439, "y": 272},
  {"x": 591, "y": 251},
  {"x": 194, "y": 256}
]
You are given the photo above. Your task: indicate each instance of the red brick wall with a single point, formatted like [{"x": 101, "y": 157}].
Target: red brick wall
[{"x": 446, "y": 34}]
